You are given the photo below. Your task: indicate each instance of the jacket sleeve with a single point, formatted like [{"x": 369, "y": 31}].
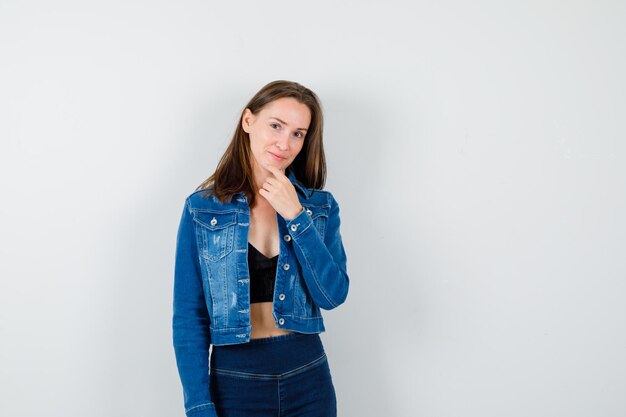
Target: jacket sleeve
[
  {"x": 323, "y": 262},
  {"x": 190, "y": 323}
]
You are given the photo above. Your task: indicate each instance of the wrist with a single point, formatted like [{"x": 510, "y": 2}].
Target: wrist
[{"x": 297, "y": 213}]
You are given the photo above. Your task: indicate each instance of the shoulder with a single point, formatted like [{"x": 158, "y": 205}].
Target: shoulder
[
  {"x": 309, "y": 195},
  {"x": 199, "y": 195},
  {"x": 321, "y": 199},
  {"x": 205, "y": 200}
]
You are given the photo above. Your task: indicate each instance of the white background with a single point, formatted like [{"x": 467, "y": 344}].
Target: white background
[{"x": 477, "y": 151}]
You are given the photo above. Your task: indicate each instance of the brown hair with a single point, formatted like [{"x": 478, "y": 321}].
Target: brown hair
[{"x": 234, "y": 171}]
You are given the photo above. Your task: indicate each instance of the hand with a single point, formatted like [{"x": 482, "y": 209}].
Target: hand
[{"x": 280, "y": 193}]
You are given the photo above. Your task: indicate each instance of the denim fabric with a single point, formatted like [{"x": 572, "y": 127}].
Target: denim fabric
[
  {"x": 212, "y": 284},
  {"x": 285, "y": 376}
]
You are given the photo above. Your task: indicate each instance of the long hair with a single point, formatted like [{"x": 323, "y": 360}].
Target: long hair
[{"x": 233, "y": 173}]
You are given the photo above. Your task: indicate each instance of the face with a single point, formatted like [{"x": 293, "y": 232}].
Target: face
[{"x": 277, "y": 133}]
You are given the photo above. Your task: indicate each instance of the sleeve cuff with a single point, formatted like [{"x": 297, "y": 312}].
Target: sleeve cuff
[
  {"x": 299, "y": 224},
  {"x": 204, "y": 410}
]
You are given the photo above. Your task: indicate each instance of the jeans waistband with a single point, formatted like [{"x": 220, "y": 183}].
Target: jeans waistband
[{"x": 268, "y": 355}]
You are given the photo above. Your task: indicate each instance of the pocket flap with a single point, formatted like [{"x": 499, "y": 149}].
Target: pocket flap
[
  {"x": 316, "y": 211},
  {"x": 215, "y": 220}
]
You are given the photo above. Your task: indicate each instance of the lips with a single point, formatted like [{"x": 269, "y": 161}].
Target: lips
[{"x": 277, "y": 157}]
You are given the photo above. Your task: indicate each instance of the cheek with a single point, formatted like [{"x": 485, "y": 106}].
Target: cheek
[
  {"x": 257, "y": 143},
  {"x": 256, "y": 149},
  {"x": 299, "y": 147}
]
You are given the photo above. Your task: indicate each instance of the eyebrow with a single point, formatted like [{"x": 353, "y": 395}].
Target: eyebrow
[{"x": 286, "y": 124}]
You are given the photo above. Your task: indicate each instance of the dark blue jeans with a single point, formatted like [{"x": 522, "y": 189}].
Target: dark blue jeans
[{"x": 280, "y": 376}]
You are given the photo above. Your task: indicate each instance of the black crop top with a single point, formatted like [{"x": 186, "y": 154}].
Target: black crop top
[{"x": 262, "y": 275}]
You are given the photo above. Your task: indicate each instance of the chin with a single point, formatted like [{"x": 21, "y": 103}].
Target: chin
[{"x": 278, "y": 164}]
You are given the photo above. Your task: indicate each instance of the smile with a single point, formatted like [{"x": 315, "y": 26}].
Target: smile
[{"x": 276, "y": 157}]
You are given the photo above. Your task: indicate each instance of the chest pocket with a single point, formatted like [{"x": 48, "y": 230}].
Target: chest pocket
[
  {"x": 216, "y": 233},
  {"x": 319, "y": 215}
]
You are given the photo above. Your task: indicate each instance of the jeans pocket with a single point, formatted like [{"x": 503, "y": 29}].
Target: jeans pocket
[{"x": 240, "y": 395}]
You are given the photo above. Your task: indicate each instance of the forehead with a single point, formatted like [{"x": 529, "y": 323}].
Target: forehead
[{"x": 289, "y": 110}]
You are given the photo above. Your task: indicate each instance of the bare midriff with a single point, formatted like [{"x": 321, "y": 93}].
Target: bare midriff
[
  {"x": 262, "y": 321},
  {"x": 263, "y": 235}
]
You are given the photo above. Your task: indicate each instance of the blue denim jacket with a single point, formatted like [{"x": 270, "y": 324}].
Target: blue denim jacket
[{"x": 212, "y": 283}]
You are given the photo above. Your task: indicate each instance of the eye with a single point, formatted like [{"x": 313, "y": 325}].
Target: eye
[
  {"x": 274, "y": 124},
  {"x": 299, "y": 134}
]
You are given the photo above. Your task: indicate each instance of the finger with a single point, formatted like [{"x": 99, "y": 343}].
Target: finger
[
  {"x": 271, "y": 180},
  {"x": 266, "y": 186}
]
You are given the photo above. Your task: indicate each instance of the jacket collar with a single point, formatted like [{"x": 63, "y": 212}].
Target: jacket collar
[{"x": 292, "y": 177}]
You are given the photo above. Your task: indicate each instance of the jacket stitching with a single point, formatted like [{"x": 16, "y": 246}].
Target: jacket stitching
[
  {"x": 211, "y": 405},
  {"x": 316, "y": 278}
]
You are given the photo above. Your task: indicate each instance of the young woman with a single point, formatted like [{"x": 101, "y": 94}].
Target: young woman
[{"x": 259, "y": 253}]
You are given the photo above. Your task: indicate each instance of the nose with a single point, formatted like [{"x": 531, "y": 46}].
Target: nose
[{"x": 282, "y": 142}]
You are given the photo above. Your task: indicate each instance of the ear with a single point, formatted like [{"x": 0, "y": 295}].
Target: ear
[{"x": 246, "y": 120}]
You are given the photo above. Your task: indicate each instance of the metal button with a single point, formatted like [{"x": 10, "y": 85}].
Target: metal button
[
  {"x": 309, "y": 212},
  {"x": 281, "y": 321},
  {"x": 294, "y": 227},
  {"x": 281, "y": 297},
  {"x": 213, "y": 221},
  {"x": 286, "y": 267},
  {"x": 287, "y": 238}
]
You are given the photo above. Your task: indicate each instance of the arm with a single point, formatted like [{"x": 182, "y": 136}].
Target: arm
[
  {"x": 323, "y": 261},
  {"x": 190, "y": 323}
]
